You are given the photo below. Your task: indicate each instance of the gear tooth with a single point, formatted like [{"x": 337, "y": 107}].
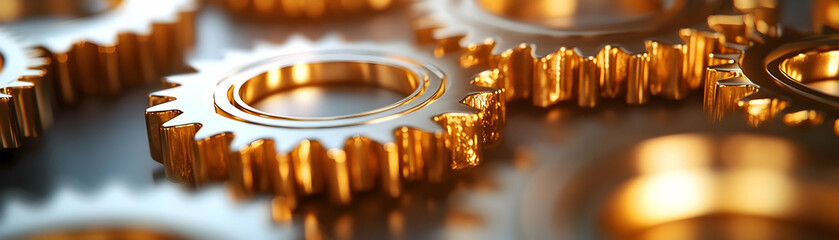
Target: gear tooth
[
  {"x": 170, "y": 106},
  {"x": 180, "y": 120},
  {"x": 492, "y": 112}
]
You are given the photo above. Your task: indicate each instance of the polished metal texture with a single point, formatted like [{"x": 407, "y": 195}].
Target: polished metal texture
[
  {"x": 206, "y": 126},
  {"x": 165, "y": 211},
  {"x": 583, "y": 51},
  {"x": 770, "y": 72},
  {"x": 24, "y": 105},
  {"x": 123, "y": 43},
  {"x": 308, "y": 9}
]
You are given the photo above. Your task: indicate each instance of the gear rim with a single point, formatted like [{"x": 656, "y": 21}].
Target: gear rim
[
  {"x": 456, "y": 126},
  {"x": 24, "y": 103}
]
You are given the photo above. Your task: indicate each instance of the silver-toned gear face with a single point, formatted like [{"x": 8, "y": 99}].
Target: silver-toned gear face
[
  {"x": 24, "y": 111},
  {"x": 116, "y": 212},
  {"x": 546, "y": 55},
  {"x": 206, "y": 127},
  {"x": 131, "y": 42}
]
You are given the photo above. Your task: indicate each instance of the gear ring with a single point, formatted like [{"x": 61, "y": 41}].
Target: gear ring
[
  {"x": 589, "y": 71},
  {"x": 442, "y": 117},
  {"x": 775, "y": 75},
  {"x": 116, "y": 212},
  {"x": 311, "y": 9},
  {"x": 24, "y": 110},
  {"x": 133, "y": 42}
]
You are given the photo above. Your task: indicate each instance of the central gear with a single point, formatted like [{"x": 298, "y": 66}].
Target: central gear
[
  {"x": 24, "y": 110},
  {"x": 773, "y": 74},
  {"x": 129, "y": 43},
  {"x": 305, "y": 9},
  {"x": 116, "y": 212},
  {"x": 204, "y": 128},
  {"x": 504, "y": 35}
]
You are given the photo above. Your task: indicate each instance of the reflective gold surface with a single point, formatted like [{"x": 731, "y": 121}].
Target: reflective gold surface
[
  {"x": 311, "y": 9},
  {"x": 441, "y": 123},
  {"x": 25, "y": 106},
  {"x": 132, "y": 42},
  {"x": 629, "y": 58}
]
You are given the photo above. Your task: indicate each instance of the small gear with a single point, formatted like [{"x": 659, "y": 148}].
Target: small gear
[
  {"x": 131, "y": 42},
  {"x": 24, "y": 108},
  {"x": 305, "y": 9},
  {"x": 504, "y": 35},
  {"x": 205, "y": 127},
  {"x": 161, "y": 212},
  {"x": 773, "y": 74}
]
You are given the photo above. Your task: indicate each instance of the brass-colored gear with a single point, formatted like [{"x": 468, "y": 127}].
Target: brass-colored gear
[
  {"x": 204, "y": 128},
  {"x": 311, "y": 9},
  {"x": 571, "y": 61},
  {"x": 129, "y": 43},
  {"x": 164, "y": 211},
  {"x": 790, "y": 75},
  {"x": 24, "y": 110}
]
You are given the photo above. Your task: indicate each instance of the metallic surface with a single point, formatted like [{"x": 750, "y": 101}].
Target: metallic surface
[
  {"x": 310, "y": 9},
  {"x": 632, "y": 58},
  {"x": 104, "y": 139},
  {"x": 24, "y": 109},
  {"x": 204, "y": 128},
  {"x": 132, "y": 42},
  {"x": 790, "y": 76},
  {"x": 117, "y": 212}
]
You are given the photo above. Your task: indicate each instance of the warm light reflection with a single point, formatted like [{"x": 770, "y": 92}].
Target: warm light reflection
[
  {"x": 691, "y": 177},
  {"x": 572, "y": 13},
  {"x": 817, "y": 69}
]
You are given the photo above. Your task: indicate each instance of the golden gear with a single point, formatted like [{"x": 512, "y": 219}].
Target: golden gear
[
  {"x": 162, "y": 212},
  {"x": 204, "y": 128},
  {"x": 789, "y": 75},
  {"x": 504, "y": 35},
  {"x": 132, "y": 42},
  {"x": 24, "y": 111},
  {"x": 306, "y": 8}
]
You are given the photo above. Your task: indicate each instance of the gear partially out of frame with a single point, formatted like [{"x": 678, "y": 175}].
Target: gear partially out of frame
[{"x": 24, "y": 108}]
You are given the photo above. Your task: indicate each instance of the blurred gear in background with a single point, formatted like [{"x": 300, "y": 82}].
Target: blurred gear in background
[
  {"x": 164, "y": 211},
  {"x": 25, "y": 108},
  {"x": 210, "y": 125},
  {"x": 789, "y": 74},
  {"x": 100, "y": 50},
  {"x": 552, "y": 51},
  {"x": 306, "y": 9}
]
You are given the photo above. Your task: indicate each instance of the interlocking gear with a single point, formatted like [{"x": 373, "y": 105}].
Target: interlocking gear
[
  {"x": 132, "y": 42},
  {"x": 205, "y": 127},
  {"x": 504, "y": 35},
  {"x": 305, "y": 9},
  {"x": 24, "y": 108},
  {"x": 161, "y": 212},
  {"x": 773, "y": 74}
]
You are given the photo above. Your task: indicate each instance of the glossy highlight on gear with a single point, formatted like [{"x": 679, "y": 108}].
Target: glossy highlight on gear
[
  {"x": 25, "y": 108},
  {"x": 204, "y": 128}
]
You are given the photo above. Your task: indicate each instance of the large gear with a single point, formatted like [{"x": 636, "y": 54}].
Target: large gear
[
  {"x": 305, "y": 9},
  {"x": 129, "y": 43},
  {"x": 775, "y": 73},
  {"x": 204, "y": 128},
  {"x": 571, "y": 61},
  {"x": 24, "y": 108},
  {"x": 116, "y": 212}
]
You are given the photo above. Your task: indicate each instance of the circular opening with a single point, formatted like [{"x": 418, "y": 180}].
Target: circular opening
[
  {"x": 816, "y": 69},
  {"x": 12, "y": 10},
  {"x": 563, "y": 14},
  {"x": 328, "y": 89}
]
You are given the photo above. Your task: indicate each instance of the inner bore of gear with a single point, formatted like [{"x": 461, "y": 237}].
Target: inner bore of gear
[
  {"x": 578, "y": 14},
  {"x": 817, "y": 69},
  {"x": 19, "y": 9},
  {"x": 238, "y": 94},
  {"x": 306, "y": 90}
]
